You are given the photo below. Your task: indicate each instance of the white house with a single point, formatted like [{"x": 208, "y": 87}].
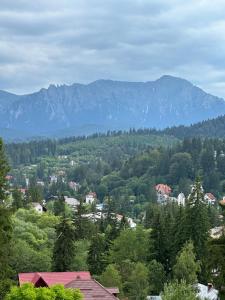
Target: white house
[
  {"x": 53, "y": 179},
  {"x": 207, "y": 292},
  {"x": 90, "y": 198},
  {"x": 38, "y": 207},
  {"x": 131, "y": 223},
  {"x": 210, "y": 198},
  {"x": 74, "y": 185},
  {"x": 181, "y": 199},
  {"x": 73, "y": 202}
]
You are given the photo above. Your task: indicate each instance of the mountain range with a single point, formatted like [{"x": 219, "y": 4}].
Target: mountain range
[{"x": 102, "y": 105}]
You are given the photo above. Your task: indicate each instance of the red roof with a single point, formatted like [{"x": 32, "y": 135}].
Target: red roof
[
  {"x": 91, "y": 289},
  {"x": 163, "y": 188},
  {"x": 211, "y": 196},
  {"x": 51, "y": 278}
]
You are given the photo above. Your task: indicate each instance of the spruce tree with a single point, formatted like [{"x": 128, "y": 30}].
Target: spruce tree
[
  {"x": 64, "y": 248},
  {"x": 197, "y": 222},
  {"x": 5, "y": 228},
  {"x": 18, "y": 199},
  {"x": 186, "y": 267},
  {"x": 96, "y": 255}
]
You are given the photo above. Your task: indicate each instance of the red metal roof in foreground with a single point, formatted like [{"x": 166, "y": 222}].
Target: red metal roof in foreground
[
  {"x": 91, "y": 289},
  {"x": 51, "y": 278}
]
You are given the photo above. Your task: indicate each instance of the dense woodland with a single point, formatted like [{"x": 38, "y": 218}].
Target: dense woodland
[
  {"x": 209, "y": 128},
  {"x": 170, "y": 249}
]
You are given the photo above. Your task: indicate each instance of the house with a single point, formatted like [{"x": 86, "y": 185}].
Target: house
[
  {"x": 100, "y": 207},
  {"x": 74, "y": 186},
  {"x": 210, "y": 198},
  {"x": 217, "y": 232},
  {"x": 207, "y": 292},
  {"x": 90, "y": 198},
  {"x": 163, "y": 189},
  {"x": 38, "y": 207},
  {"x": 73, "y": 202},
  {"x": 53, "y": 179},
  {"x": 181, "y": 199},
  {"x": 47, "y": 279},
  {"x": 90, "y": 288},
  {"x": 163, "y": 192},
  {"x": 131, "y": 223}
]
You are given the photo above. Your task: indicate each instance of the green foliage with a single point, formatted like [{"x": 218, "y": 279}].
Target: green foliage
[
  {"x": 4, "y": 169},
  {"x": 18, "y": 199},
  {"x": 111, "y": 278},
  {"x": 178, "y": 291},
  {"x": 64, "y": 248},
  {"x": 5, "y": 228},
  {"x": 138, "y": 282},
  {"x": 186, "y": 267},
  {"x": 97, "y": 259},
  {"x": 57, "y": 292},
  {"x": 156, "y": 277},
  {"x": 197, "y": 222},
  {"x": 130, "y": 245},
  {"x": 80, "y": 259},
  {"x": 33, "y": 240}
]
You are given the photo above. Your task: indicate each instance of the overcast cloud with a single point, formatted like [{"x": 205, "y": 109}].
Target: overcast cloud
[{"x": 67, "y": 41}]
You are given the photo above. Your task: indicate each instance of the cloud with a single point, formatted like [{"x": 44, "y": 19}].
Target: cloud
[{"x": 66, "y": 41}]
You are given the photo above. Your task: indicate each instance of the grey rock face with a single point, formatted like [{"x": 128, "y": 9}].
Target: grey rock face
[{"x": 106, "y": 105}]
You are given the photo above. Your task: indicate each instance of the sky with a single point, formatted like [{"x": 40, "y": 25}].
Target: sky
[{"x": 45, "y": 42}]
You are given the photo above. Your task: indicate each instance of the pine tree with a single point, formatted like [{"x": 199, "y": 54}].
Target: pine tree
[
  {"x": 178, "y": 232},
  {"x": 197, "y": 223},
  {"x": 59, "y": 206},
  {"x": 5, "y": 228},
  {"x": 156, "y": 277},
  {"x": 186, "y": 267},
  {"x": 4, "y": 169},
  {"x": 64, "y": 248},
  {"x": 83, "y": 227},
  {"x": 18, "y": 199},
  {"x": 138, "y": 282},
  {"x": 96, "y": 254}
]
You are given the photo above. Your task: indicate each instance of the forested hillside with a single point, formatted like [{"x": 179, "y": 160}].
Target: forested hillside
[
  {"x": 209, "y": 128},
  {"x": 170, "y": 244}
]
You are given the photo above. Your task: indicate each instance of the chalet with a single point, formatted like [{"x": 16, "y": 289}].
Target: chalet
[
  {"x": 73, "y": 202},
  {"x": 74, "y": 186},
  {"x": 207, "y": 292},
  {"x": 90, "y": 288},
  {"x": 38, "y": 207},
  {"x": 210, "y": 198},
  {"x": 163, "y": 192},
  {"x": 90, "y": 198}
]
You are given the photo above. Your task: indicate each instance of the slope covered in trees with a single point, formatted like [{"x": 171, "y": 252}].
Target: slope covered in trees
[
  {"x": 123, "y": 170},
  {"x": 214, "y": 128}
]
